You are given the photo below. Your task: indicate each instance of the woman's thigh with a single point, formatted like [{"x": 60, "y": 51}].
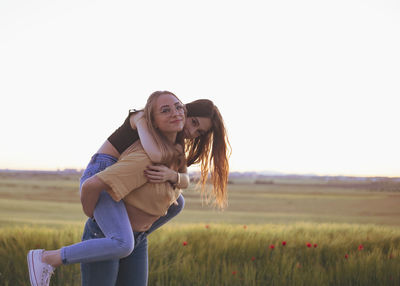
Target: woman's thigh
[
  {"x": 111, "y": 216},
  {"x": 113, "y": 220},
  {"x": 133, "y": 270}
]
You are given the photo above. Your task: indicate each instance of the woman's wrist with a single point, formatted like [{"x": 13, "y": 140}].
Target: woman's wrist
[
  {"x": 176, "y": 179},
  {"x": 173, "y": 177},
  {"x": 136, "y": 119}
]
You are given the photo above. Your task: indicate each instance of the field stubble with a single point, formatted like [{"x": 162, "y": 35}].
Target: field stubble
[
  {"x": 233, "y": 247},
  {"x": 32, "y": 198}
]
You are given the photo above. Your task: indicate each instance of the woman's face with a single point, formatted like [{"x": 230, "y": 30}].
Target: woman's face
[
  {"x": 168, "y": 114},
  {"x": 196, "y": 126}
]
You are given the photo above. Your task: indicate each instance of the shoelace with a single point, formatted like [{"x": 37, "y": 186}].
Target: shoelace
[{"x": 46, "y": 275}]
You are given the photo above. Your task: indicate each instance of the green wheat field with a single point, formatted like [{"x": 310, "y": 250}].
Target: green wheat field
[{"x": 282, "y": 231}]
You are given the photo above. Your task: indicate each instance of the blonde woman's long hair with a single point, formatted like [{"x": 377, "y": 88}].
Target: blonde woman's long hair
[{"x": 171, "y": 153}]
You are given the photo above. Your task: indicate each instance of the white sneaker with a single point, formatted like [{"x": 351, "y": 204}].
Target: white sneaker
[{"x": 39, "y": 272}]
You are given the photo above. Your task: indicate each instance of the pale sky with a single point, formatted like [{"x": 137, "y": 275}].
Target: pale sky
[{"x": 303, "y": 86}]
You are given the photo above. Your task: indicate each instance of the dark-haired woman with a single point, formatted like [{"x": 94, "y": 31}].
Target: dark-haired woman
[{"x": 206, "y": 144}]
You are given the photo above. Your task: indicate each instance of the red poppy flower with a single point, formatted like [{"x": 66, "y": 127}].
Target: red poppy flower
[
  {"x": 360, "y": 247},
  {"x": 308, "y": 244},
  {"x": 245, "y": 226},
  {"x": 233, "y": 272},
  {"x": 184, "y": 243},
  {"x": 346, "y": 256},
  {"x": 253, "y": 258},
  {"x": 207, "y": 226},
  {"x": 272, "y": 246},
  {"x": 315, "y": 245},
  {"x": 284, "y": 243}
]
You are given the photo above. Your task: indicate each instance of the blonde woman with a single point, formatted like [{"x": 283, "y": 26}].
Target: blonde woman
[{"x": 120, "y": 224}]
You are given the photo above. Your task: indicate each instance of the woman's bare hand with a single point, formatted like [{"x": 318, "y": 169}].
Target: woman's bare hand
[{"x": 160, "y": 174}]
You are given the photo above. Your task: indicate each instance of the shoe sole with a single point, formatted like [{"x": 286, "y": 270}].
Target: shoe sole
[{"x": 31, "y": 268}]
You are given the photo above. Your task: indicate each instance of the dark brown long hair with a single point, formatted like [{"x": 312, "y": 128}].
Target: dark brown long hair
[{"x": 211, "y": 151}]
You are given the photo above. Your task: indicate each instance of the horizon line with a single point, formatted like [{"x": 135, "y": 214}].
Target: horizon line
[{"x": 263, "y": 173}]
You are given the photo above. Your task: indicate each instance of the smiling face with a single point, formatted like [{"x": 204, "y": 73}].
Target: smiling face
[
  {"x": 196, "y": 126},
  {"x": 168, "y": 114}
]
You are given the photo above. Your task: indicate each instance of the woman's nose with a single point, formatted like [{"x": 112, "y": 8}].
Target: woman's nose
[{"x": 175, "y": 112}]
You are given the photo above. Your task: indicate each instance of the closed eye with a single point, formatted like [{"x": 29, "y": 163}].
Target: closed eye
[{"x": 195, "y": 122}]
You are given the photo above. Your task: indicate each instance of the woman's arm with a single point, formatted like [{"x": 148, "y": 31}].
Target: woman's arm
[
  {"x": 138, "y": 122},
  {"x": 90, "y": 193}
]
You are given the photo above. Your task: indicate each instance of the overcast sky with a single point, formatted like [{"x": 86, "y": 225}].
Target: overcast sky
[{"x": 304, "y": 86}]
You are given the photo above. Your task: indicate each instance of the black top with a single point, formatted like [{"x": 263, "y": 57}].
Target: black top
[{"x": 124, "y": 136}]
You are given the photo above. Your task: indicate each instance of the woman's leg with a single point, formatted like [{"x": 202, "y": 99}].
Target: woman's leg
[
  {"x": 173, "y": 211},
  {"x": 102, "y": 273},
  {"x": 114, "y": 223},
  {"x": 112, "y": 219},
  {"x": 133, "y": 270},
  {"x": 118, "y": 242}
]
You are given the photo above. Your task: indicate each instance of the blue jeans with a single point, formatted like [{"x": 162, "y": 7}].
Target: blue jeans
[
  {"x": 129, "y": 271},
  {"x": 111, "y": 216},
  {"x": 110, "y": 263}
]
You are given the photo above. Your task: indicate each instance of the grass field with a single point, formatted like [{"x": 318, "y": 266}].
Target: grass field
[
  {"x": 221, "y": 254},
  {"x": 43, "y": 210},
  {"x": 54, "y": 198}
]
